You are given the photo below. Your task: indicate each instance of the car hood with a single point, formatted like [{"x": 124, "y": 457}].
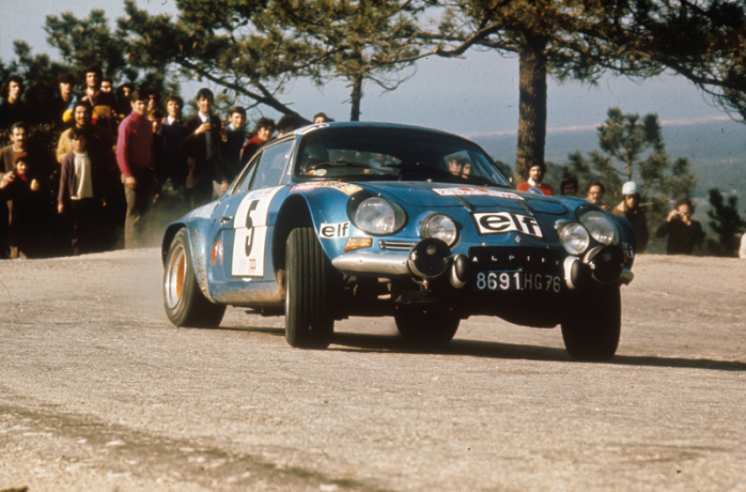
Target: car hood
[{"x": 451, "y": 195}]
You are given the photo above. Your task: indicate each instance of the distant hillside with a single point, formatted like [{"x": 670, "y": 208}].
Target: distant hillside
[{"x": 716, "y": 151}]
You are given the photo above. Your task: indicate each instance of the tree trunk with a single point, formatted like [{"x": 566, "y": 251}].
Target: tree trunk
[
  {"x": 532, "y": 116},
  {"x": 356, "y": 96}
]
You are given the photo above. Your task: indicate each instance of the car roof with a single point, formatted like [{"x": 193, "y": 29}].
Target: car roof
[{"x": 372, "y": 125}]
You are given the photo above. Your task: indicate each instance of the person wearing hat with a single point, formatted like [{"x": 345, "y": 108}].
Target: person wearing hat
[
  {"x": 630, "y": 207},
  {"x": 19, "y": 187}
]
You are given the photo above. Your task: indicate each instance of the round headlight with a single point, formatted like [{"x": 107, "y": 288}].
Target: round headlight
[
  {"x": 574, "y": 238},
  {"x": 376, "y": 216},
  {"x": 440, "y": 227},
  {"x": 601, "y": 227}
]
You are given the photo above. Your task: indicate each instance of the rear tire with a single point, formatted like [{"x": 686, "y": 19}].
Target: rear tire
[
  {"x": 591, "y": 333},
  {"x": 309, "y": 322},
  {"x": 184, "y": 302},
  {"x": 426, "y": 329}
]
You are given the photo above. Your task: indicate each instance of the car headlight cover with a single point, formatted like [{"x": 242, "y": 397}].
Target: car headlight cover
[
  {"x": 378, "y": 216},
  {"x": 601, "y": 227},
  {"x": 440, "y": 227},
  {"x": 574, "y": 237}
]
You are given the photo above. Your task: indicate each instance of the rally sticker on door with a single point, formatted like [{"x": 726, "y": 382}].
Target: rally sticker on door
[
  {"x": 501, "y": 222},
  {"x": 250, "y": 233}
]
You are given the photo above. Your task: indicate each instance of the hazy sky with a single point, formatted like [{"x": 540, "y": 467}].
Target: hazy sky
[{"x": 474, "y": 96}]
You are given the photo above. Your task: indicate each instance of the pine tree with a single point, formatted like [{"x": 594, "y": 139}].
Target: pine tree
[
  {"x": 726, "y": 223},
  {"x": 701, "y": 40},
  {"x": 632, "y": 149}
]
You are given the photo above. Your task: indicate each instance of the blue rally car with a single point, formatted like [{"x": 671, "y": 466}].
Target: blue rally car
[{"x": 356, "y": 219}]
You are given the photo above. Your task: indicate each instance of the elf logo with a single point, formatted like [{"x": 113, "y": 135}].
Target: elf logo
[
  {"x": 501, "y": 222},
  {"x": 331, "y": 231}
]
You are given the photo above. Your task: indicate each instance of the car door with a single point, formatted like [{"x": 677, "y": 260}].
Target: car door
[{"x": 247, "y": 219}]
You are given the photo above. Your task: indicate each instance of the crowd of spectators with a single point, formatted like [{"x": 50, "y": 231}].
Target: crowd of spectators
[
  {"x": 117, "y": 149},
  {"x": 684, "y": 234},
  {"x": 120, "y": 155}
]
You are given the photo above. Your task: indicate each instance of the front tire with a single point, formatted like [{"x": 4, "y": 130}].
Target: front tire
[
  {"x": 591, "y": 333},
  {"x": 183, "y": 300},
  {"x": 309, "y": 322},
  {"x": 426, "y": 329}
]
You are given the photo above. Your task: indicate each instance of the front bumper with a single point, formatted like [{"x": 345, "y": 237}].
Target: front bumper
[{"x": 601, "y": 265}]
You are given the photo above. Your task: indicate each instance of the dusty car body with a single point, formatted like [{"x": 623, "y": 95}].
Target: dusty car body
[{"x": 356, "y": 219}]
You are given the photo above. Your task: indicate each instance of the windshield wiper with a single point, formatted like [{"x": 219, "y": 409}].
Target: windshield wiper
[
  {"x": 344, "y": 163},
  {"x": 457, "y": 178}
]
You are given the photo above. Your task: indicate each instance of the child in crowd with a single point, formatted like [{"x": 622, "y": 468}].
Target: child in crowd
[
  {"x": 82, "y": 194},
  {"x": 22, "y": 190}
]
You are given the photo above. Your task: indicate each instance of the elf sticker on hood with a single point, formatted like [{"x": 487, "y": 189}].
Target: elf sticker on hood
[
  {"x": 346, "y": 188},
  {"x": 470, "y": 191}
]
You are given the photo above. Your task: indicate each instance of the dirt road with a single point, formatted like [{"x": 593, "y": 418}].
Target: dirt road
[{"x": 98, "y": 392}]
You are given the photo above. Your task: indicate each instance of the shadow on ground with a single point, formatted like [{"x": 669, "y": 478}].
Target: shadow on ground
[{"x": 496, "y": 350}]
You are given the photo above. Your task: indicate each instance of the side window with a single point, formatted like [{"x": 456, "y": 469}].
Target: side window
[
  {"x": 245, "y": 178},
  {"x": 271, "y": 165}
]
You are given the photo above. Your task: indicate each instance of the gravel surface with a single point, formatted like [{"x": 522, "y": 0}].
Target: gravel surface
[{"x": 100, "y": 393}]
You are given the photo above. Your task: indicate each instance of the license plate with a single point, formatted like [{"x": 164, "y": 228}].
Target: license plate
[{"x": 514, "y": 280}]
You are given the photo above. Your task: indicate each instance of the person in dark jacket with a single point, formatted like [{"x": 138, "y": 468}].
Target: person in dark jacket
[
  {"x": 83, "y": 193},
  {"x": 13, "y": 109},
  {"x": 235, "y": 137},
  {"x": 23, "y": 190},
  {"x": 202, "y": 136},
  {"x": 683, "y": 233}
]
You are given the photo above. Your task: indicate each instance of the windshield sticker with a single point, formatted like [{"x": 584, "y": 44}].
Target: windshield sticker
[
  {"x": 501, "y": 222},
  {"x": 346, "y": 188},
  {"x": 469, "y": 191}
]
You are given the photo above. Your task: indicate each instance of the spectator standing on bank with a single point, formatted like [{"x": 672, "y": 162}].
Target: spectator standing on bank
[
  {"x": 287, "y": 124},
  {"x": 19, "y": 143},
  {"x": 321, "y": 118},
  {"x": 202, "y": 135},
  {"x": 742, "y": 249},
  {"x": 95, "y": 135},
  {"x": 594, "y": 193},
  {"x": 13, "y": 109},
  {"x": 263, "y": 133},
  {"x": 235, "y": 137},
  {"x": 23, "y": 191},
  {"x": 136, "y": 163},
  {"x": 101, "y": 104},
  {"x": 629, "y": 207},
  {"x": 123, "y": 100},
  {"x": 173, "y": 159},
  {"x": 683, "y": 233},
  {"x": 39, "y": 102},
  {"x": 569, "y": 187},
  {"x": 83, "y": 193},
  {"x": 64, "y": 100},
  {"x": 536, "y": 172},
  {"x": 107, "y": 85}
]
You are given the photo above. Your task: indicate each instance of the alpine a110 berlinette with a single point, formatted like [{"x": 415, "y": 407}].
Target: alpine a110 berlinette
[{"x": 363, "y": 219}]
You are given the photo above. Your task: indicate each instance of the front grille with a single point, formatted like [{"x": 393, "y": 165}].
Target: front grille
[
  {"x": 526, "y": 258},
  {"x": 395, "y": 245}
]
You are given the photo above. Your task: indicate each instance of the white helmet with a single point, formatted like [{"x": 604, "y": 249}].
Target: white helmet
[{"x": 629, "y": 188}]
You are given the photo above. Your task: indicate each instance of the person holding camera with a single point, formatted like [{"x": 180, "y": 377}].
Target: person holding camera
[{"x": 683, "y": 232}]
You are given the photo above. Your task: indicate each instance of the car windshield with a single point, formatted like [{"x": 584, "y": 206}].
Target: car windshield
[{"x": 396, "y": 154}]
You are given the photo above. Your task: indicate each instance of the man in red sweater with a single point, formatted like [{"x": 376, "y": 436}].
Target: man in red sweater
[
  {"x": 536, "y": 172},
  {"x": 136, "y": 162}
]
